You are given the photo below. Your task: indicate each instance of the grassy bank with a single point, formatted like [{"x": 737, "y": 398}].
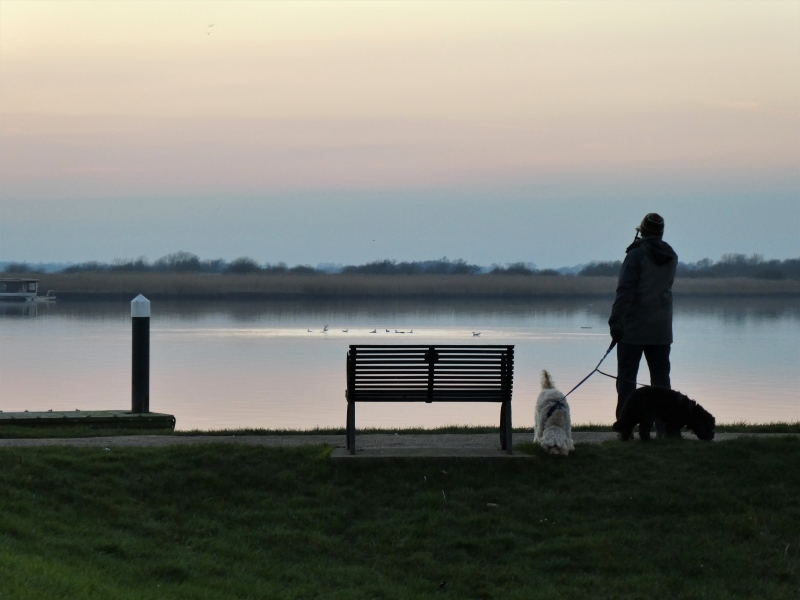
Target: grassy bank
[
  {"x": 192, "y": 285},
  {"x": 10, "y": 432},
  {"x": 708, "y": 521}
]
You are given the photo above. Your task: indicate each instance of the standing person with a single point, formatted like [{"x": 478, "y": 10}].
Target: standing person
[{"x": 641, "y": 318}]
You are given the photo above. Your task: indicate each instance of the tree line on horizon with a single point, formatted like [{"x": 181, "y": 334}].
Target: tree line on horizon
[{"x": 729, "y": 265}]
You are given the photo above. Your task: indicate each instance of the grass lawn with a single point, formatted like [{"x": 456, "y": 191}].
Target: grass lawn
[{"x": 668, "y": 519}]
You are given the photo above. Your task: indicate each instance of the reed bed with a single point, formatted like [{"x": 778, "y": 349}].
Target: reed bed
[
  {"x": 743, "y": 286},
  {"x": 197, "y": 285}
]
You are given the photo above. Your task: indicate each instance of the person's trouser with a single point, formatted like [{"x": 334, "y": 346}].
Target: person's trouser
[{"x": 628, "y": 358}]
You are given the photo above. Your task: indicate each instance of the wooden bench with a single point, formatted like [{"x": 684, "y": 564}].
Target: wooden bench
[{"x": 399, "y": 373}]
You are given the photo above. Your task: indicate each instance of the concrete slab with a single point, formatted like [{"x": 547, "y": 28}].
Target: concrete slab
[
  {"x": 440, "y": 452},
  {"x": 109, "y": 419}
]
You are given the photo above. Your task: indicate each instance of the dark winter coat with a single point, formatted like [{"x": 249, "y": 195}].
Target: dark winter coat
[{"x": 643, "y": 307}]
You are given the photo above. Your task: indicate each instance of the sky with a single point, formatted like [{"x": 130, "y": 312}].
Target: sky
[{"x": 345, "y": 132}]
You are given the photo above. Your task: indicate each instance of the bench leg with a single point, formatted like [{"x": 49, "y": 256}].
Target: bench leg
[
  {"x": 351, "y": 427},
  {"x": 505, "y": 428}
]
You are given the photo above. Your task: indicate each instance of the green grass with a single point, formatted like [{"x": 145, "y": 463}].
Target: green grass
[
  {"x": 740, "y": 427},
  {"x": 664, "y": 520},
  {"x": 11, "y": 432}
]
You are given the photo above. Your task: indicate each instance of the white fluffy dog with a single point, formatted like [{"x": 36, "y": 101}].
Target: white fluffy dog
[{"x": 553, "y": 427}]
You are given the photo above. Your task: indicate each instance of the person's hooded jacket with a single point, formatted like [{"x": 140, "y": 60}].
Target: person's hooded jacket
[{"x": 642, "y": 311}]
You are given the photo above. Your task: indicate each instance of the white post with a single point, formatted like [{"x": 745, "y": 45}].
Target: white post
[{"x": 140, "y": 354}]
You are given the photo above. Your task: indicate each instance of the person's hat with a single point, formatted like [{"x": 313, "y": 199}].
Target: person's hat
[{"x": 652, "y": 224}]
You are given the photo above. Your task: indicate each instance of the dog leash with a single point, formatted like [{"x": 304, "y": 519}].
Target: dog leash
[
  {"x": 595, "y": 370},
  {"x": 629, "y": 381}
]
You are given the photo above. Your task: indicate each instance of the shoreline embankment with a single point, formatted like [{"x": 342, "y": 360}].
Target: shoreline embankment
[
  {"x": 195, "y": 286},
  {"x": 429, "y": 442}
]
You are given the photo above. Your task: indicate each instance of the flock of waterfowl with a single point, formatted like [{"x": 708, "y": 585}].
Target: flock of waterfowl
[{"x": 326, "y": 330}]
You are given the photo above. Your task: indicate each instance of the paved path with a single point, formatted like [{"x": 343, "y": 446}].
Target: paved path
[{"x": 369, "y": 441}]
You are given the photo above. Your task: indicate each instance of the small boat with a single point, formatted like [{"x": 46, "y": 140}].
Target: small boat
[{"x": 23, "y": 290}]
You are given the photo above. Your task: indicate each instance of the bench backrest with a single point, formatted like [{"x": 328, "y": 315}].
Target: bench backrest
[{"x": 399, "y": 373}]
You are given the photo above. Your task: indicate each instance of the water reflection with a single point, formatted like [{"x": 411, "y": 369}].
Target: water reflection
[
  {"x": 19, "y": 309},
  {"x": 233, "y": 364},
  {"x": 731, "y": 309}
]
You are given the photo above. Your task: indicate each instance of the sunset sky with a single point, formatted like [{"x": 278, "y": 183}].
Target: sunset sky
[{"x": 345, "y": 132}]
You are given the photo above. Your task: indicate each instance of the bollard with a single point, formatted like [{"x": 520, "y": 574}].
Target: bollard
[{"x": 140, "y": 363}]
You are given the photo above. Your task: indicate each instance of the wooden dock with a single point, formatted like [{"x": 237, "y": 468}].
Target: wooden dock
[{"x": 88, "y": 418}]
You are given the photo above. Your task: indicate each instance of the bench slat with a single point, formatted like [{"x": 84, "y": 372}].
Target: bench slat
[
  {"x": 386, "y": 369},
  {"x": 423, "y": 395},
  {"x": 442, "y": 362},
  {"x": 424, "y": 367},
  {"x": 469, "y": 384},
  {"x": 409, "y": 347},
  {"x": 425, "y": 399},
  {"x": 437, "y": 377},
  {"x": 439, "y": 380}
]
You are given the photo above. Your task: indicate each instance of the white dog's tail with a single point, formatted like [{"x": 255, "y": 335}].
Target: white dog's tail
[{"x": 547, "y": 383}]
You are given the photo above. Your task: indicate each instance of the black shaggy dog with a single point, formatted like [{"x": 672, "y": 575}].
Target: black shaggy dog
[{"x": 673, "y": 408}]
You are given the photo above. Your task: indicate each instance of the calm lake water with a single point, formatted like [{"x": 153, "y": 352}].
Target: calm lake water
[{"x": 226, "y": 364}]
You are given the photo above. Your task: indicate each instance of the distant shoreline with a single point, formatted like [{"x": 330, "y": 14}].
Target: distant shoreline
[{"x": 194, "y": 286}]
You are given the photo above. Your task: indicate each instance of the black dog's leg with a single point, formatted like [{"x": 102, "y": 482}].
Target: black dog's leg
[
  {"x": 672, "y": 431},
  {"x": 645, "y": 425},
  {"x": 625, "y": 433}
]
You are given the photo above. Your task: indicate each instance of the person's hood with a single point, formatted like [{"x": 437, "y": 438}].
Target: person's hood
[{"x": 657, "y": 249}]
